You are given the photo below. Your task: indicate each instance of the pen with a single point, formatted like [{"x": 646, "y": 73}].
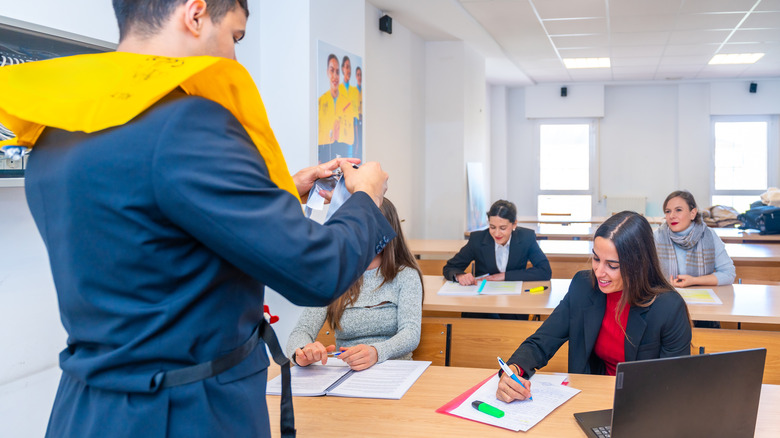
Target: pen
[
  {"x": 534, "y": 290},
  {"x": 335, "y": 354},
  {"x": 486, "y": 408},
  {"x": 511, "y": 374},
  {"x": 481, "y": 286}
]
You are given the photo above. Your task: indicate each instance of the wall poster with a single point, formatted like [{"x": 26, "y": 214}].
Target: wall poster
[{"x": 340, "y": 116}]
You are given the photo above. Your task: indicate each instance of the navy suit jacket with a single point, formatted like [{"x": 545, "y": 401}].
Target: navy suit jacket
[
  {"x": 162, "y": 234},
  {"x": 661, "y": 329},
  {"x": 481, "y": 248}
]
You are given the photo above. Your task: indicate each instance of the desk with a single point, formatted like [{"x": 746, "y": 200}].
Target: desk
[
  {"x": 741, "y": 302},
  {"x": 757, "y": 261},
  {"x": 735, "y": 235},
  {"x": 414, "y": 415}
]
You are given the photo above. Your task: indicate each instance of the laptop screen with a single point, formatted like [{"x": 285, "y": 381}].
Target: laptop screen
[{"x": 705, "y": 395}]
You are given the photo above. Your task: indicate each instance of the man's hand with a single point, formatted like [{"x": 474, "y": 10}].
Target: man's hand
[
  {"x": 305, "y": 178},
  {"x": 369, "y": 178}
]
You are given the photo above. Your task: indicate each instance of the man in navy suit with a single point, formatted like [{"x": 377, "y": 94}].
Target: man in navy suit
[{"x": 162, "y": 234}]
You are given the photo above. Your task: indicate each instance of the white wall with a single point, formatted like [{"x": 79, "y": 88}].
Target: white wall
[
  {"x": 394, "y": 107},
  {"x": 31, "y": 335},
  {"x": 497, "y": 136},
  {"x": 455, "y": 133},
  {"x": 522, "y": 154}
]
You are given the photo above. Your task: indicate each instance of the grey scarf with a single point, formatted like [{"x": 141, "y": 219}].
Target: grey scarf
[{"x": 699, "y": 245}]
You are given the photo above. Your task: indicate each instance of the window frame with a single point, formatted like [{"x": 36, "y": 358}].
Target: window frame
[
  {"x": 772, "y": 153},
  {"x": 592, "y": 161}
]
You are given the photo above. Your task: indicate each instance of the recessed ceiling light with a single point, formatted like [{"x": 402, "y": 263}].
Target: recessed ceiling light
[
  {"x": 586, "y": 62},
  {"x": 736, "y": 58}
]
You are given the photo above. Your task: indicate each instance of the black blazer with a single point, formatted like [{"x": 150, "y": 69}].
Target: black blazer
[
  {"x": 481, "y": 248},
  {"x": 661, "y": 329}
]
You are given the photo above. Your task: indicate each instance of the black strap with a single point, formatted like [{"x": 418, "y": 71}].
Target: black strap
[{"x": 195, "y": 373}]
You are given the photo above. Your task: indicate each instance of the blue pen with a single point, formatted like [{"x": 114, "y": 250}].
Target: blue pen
[
  {"x": 335, "y": 354},
  {"x": 511, "y": 374},
  {"x": 481, "y": 286}
]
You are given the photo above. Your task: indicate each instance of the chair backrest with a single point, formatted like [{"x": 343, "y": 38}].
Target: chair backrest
[
  {"x": 719, "y": 340},
  {"x": 432, "y": 347}
]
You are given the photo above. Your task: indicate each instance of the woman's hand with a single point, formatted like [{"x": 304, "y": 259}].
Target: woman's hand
[
  {"x": 359, "y": 357},
  {"x": 684, "y": 281},
  {"x": 313, "y": 352},
  {"x": 509, "y": 390},
  {"x": 466, "y": 279},
  {"x": 501, "y": 276}
]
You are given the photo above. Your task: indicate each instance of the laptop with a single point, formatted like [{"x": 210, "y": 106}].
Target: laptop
[{"x": 706, "y": 395}]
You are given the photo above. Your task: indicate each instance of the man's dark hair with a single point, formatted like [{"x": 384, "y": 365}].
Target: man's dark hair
[
  {"x": 344, "y": 61},
  {"x": 148, "y": 16}
]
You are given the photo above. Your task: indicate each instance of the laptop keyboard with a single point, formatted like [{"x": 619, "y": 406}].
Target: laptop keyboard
[{"x": 602, "y": 431}]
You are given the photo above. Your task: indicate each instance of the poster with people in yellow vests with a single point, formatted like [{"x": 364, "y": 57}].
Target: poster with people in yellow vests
[{"x": 340, "y": 103}]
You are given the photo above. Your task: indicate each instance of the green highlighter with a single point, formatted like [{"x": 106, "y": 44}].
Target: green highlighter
[{"x": 486, "y": 408}]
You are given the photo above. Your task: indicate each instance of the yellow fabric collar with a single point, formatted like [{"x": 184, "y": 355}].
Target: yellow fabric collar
[{"x": 94, "y": 92}]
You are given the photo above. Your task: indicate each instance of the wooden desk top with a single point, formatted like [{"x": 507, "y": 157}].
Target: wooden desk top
[
  {"x": 578, "y": 250},
  {"x": 741, "y": 302},
  {"x": 734, "y": 235},
  {"x": 414, "y": 415}
]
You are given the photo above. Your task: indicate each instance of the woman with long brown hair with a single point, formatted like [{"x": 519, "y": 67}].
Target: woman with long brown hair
[
  {"x": 622, "y": 310},
  {"x": 377, "y": 319}
]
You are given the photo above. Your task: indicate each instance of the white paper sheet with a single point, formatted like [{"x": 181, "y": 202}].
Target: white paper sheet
[
  {"x": 699, "y": 296},
  {"x": 490, "y": 288},
  {"x": 519, "y": 415},
  {"x": 390, "y": 379}
]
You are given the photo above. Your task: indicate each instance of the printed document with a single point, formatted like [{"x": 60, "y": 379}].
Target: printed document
[
  {"x": 489, "y": 288},
  {"x": 699, "y": 296},
  {"x": 548, "y": 393},
  {"x": 390, "y": 380}
]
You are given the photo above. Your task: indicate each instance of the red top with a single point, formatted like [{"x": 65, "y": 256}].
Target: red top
[{"x": 610, "y": 345}]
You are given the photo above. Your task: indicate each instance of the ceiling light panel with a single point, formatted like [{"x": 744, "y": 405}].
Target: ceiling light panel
[{"x": 575, "y": 63}]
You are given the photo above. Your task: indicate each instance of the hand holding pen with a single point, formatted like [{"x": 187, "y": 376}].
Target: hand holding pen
[
  {"x": 310, "y": 353},
  {"x": 511, "y": 386}
]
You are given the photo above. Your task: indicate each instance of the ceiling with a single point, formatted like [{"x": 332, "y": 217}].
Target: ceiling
[{"x": 524, "y": 41}]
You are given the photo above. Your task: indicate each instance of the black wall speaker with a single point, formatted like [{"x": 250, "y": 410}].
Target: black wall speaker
[
  {"x": 564, "y": 91},
  {"x": 753, "y": 87},
  {"x": 386, "y": 23}
]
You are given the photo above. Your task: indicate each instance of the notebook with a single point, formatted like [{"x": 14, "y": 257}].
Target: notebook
[
  {"x": 706, "y": 395},
  {"x": 390, "y": 380}
]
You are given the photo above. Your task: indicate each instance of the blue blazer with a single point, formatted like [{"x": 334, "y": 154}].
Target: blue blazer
[
  {"x": 481, "y": 248},
  {"x": 162, "y": 235},
  {"x": 661, "y": 329}
]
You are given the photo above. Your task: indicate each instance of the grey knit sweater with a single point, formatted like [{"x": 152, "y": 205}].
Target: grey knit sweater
[{"x": 387, "y": 318}]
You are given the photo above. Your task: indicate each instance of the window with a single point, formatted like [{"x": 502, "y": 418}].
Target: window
[
  {"x": 743, "y": 147},
  {"x": 566, "y": 151}
]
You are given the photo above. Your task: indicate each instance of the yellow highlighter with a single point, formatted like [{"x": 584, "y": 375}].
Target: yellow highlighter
[{"x": 537, "y": 290}]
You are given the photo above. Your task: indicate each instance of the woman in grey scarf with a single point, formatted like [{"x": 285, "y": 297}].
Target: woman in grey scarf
[{"x": 690, "y": 253}]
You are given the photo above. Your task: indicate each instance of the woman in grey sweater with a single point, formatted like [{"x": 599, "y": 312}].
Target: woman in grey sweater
[{"x": 377, "y": 319}]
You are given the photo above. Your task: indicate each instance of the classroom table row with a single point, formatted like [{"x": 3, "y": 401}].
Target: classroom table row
[
  {"x": 753, "y": 261},
  {"x": 742, "y": 303},
  {"x": 584, "y": 231},
  {"x": 414, "y": 414}
]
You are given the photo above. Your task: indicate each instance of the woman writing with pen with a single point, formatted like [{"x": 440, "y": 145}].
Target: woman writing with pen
[
  {"x": 622, "y": 310},
  {"x": 377, "y": 319},
  {"x": 500, "y": 253}
]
